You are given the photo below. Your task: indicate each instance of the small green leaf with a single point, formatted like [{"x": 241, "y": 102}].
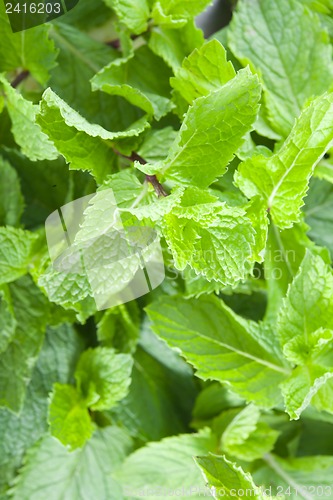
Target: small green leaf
[
  {"x": 68, "y": 417},
  {"x": 133, "y": 13},
  {"x": 226, "y": 478},
  {"x": 103, "y": 377},
  {"x": 11, "y": 200},
  {"x": 28, "y": 135},
  {"x": 16, "y": 251}
]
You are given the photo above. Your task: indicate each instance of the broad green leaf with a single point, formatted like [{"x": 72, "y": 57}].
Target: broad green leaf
[
  {"x": 226, "y": 478},
  {"x": 282, "y": 180},
  {"x": 318, "y": 213},
  {"x": 84, "y": 145},
  {"x": 133, "y": 13},
  {"x": 221, "y": 346},
  {"x": 162, "y": 384},
  {"x": 51, "y": 471},
  {"x": 205, "y": 70},
  {"x": 213, "y": 239},
  {"x": 31, "y": 50},
  {"x": 131, "y": 78},
  {"x": 30, "y": 310},
  {"x": 279, "y": 39},
  {"x": 80, "y": 54},
  {"x": 296, "y": 477},
  {"x": 119, "y": 327},
  {"x": 173, "y": 45},
  {"x": 16, "y": 252},
  {"x": 68, "y": 417},
  {"x": 61, "y": 347},
  {"x": 166, "y": 464},
  {"x": 103, "y": 377},
  {"x": 212, "y": 131},
  {"x": 11, "y": 200},
  {"x": 213, "y": 399},
  {"x": 28, "y": 135}
]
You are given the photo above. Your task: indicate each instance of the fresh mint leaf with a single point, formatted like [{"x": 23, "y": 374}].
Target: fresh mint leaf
[
  {"x": 279, "y": 38},
  {"x": 69, "y": 418},
  {"x": 282, "y": 180},
  {"x": 212, "y": 131},
  {"x": 220, "y": 345},
  {"x": 103, "y": 377},
  {"x": 16, "y": 252},
  {"x": 11, "y": 200}
]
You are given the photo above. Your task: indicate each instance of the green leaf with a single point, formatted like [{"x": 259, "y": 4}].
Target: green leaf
[
  {"x": 246, "y": 438},
  {"x": 213, "y": 239},
  {"x": 162, "y": 384},
  {"x": 68, "y": 417},
  {"x": 84, "y": 145},
  {"x": 279, "y": 39},
  {"x": 50, "y": 470},
  {"x": 28, "y": 135},
  {"x": 318, "y": 213},
  {"x": 282, "y": 180},
  {"x": 205, "y": 70},
  {"x": 16, "y": 251},
  {"x": 212, "y": 131},
  {"x": 221, "y": 346},
  {"x": 7, "y": 319},
  {"x": 304, "y": 325},
  {"x": 31, "y": 50},
  {"x": 131, "y": 79},
  {"x": 297, "y": 477},
  {"x": 133, "y": 13},
  {"x": 80, "y": 54},
  {"x": 226, "y": 478},
  {"x": 166, "y": 464},
  {"x": 58, "y": 355},
  {"x": 30, "y": 310},
  {"x": 182, "y": 10},
  {"x": 173, "y": 45},
  {"x": 11, "y": 200},
  {"x": 119, "y": 327},
  {"x": 103, "y": 377},
  {"x": 69, "y": 290},
  {"x": 309, "y": 302}
]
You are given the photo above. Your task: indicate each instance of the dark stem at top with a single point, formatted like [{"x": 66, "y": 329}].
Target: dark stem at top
[
  {"x": 159, "y": 189},
  {"x": 20, "y": 78}
]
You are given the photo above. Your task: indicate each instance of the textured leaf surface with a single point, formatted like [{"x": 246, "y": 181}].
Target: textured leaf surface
[
  {"x": 133, "y": 13},
  {"x": 31, "y": 50},
  {"x": 30, "y": 310},
  {"x": 68, "y": 417},
  {"x": 282, "y": 180},
  {"x": 205, "y": 70},
  {"x": 280, "y": 38},
  {"x": 220, "y": 345},
  {"x": 213, "y": 239},
  {"x": 226, "y": 477},
  {"x": 28, "y": 135},
  {"x": 103, "y": 377},
  {"x": 212, "y": 131},
  {"x": 16, "y": 250},
  {"x": 131, "y": 79},
  {"x": 84, "y": 145},
  {"x": 168, "y": 464},
  {"x": 11, "y": 200},
  {"x": 52, "y": 471}
]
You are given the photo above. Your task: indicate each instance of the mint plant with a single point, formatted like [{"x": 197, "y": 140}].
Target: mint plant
[{"x": 220, "y": 380}]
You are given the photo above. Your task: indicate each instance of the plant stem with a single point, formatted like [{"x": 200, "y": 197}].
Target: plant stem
[
  {"x": 19, "y": 79},
  {"x": 159, "y": 189}
]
